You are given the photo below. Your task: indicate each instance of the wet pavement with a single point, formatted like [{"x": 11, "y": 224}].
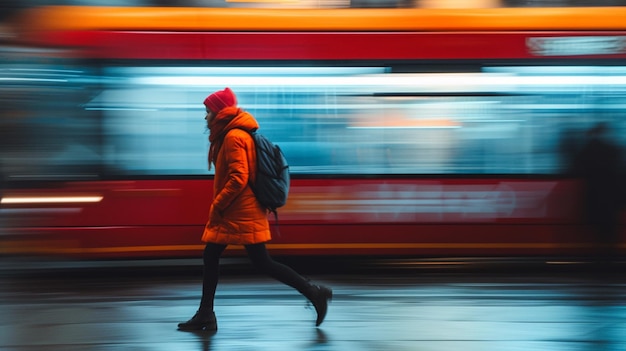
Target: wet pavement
[{"x": 388, "y": 309}]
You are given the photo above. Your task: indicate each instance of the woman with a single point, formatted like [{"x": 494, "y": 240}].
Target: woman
[{"x": 235, "y": 216}]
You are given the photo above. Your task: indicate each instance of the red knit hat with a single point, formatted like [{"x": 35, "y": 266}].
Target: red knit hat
[{"x": 220, "y": 99}]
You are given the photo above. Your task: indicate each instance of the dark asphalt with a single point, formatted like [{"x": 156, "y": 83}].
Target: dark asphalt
[{"x": 375, "y": 307}]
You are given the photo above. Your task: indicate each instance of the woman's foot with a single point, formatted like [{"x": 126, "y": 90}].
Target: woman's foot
[
  {"x": 200, "y": 321},
  {"x": 319, "y": 295}
]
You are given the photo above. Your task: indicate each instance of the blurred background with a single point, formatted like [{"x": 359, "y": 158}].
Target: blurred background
[
  {"x": 454, "y": 125},
  {"x": 12, "y": 5}
]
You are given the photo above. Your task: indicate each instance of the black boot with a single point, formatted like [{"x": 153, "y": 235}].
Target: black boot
[
  {"x": 319, "y": 295},
  {"x": 200, "y": 321}
]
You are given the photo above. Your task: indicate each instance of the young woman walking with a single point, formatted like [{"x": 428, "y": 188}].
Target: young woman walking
[{"x": 235, "y": 216}]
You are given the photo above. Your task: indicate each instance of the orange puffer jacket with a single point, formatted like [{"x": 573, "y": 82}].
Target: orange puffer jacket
[{"x": 236, "y": 217}]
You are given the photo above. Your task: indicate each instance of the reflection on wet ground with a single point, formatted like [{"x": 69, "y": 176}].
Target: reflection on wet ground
[{"x": 389, "y": 309}]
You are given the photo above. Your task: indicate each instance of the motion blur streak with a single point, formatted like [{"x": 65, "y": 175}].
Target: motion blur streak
[
  {"x": 421, "y": 132},
  {"x": 49, "y": 199}
]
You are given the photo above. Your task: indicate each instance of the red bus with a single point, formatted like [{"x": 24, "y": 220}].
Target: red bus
[{"x": 409, "y": 132}]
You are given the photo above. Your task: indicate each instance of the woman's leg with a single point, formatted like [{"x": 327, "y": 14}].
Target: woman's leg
[
  {"x": 205, "y": 319},
  {"x": 317, "y": 294},
  {"x": 262, "y": 261},
  {"x": 210, "y": 274}
]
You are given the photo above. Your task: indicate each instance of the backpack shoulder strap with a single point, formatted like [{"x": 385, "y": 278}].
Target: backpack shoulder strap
[{"x": 251, "y": 155}]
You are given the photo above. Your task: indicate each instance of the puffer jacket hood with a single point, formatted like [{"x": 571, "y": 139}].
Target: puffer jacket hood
[{"x": 227, "y": 119}]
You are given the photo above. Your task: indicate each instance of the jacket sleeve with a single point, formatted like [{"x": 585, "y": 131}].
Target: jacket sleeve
[{"x": 235, "y": 149}]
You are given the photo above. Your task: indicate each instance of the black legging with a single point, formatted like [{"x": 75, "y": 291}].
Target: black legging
[{"x": 260, "y": 259}]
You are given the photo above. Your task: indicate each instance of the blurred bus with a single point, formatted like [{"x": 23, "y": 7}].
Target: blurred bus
[{"x": 421, "y": 132}]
